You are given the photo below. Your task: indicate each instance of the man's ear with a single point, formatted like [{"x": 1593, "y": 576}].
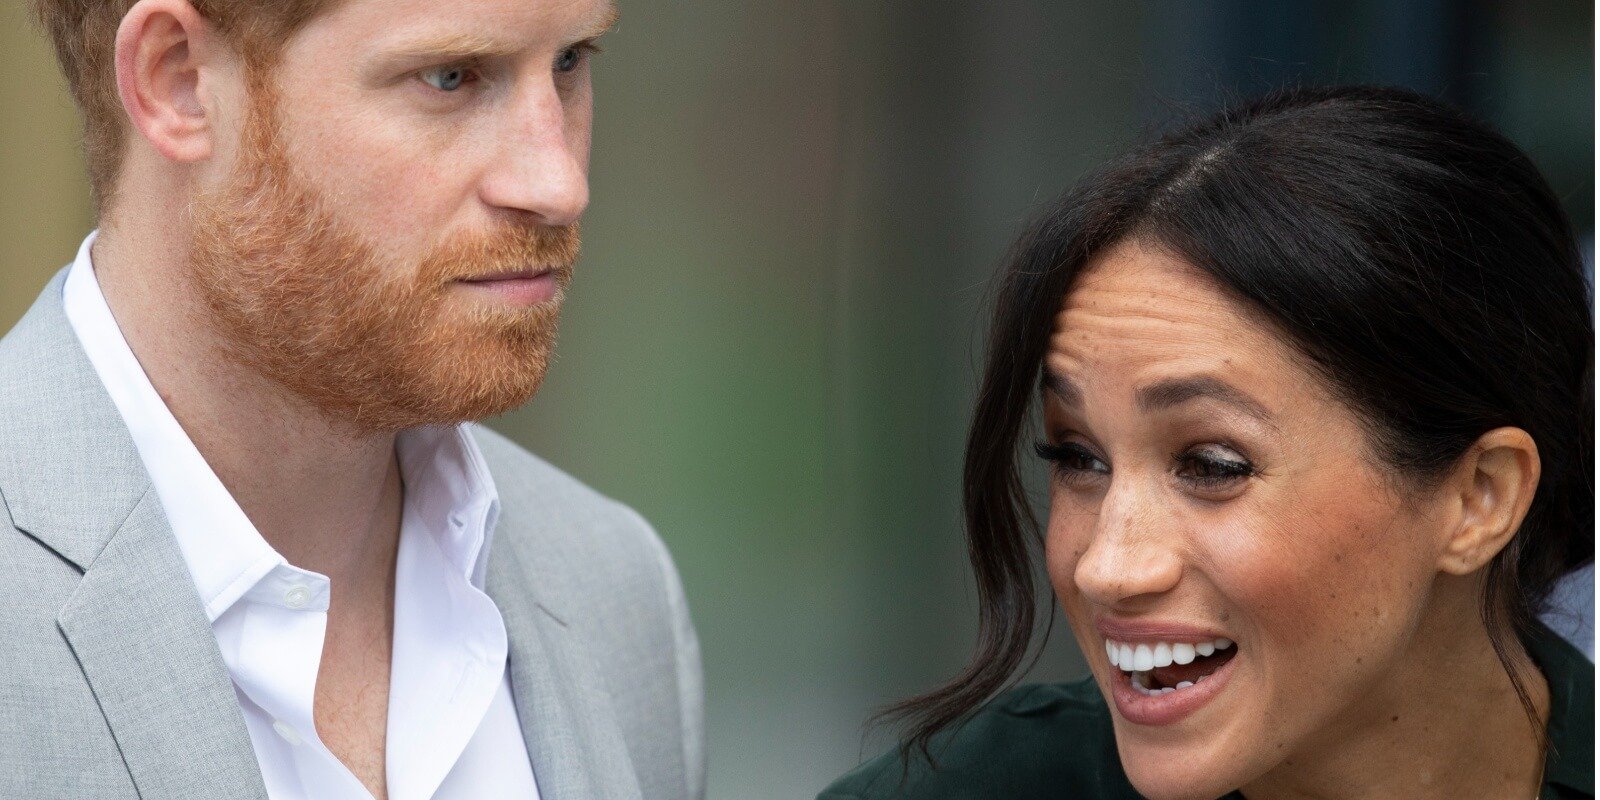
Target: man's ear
[
  {"x": 162, "y": 49},
  {"x": 1494, "y": 484}
]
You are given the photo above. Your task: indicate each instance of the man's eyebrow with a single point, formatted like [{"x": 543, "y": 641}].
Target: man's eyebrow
[
  {"x": 1176, "y": 391},
  {"x": 461, "y": 46},
  {"x": 445, "y": 46},
  {"x": 608, "y": 20}
]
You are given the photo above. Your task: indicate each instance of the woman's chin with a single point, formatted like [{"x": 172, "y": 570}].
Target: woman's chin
[
  {"x": 1168, "y": 774},
  {"x": 1185, "y": 742},
  {"x": 1190, "y": 764}
]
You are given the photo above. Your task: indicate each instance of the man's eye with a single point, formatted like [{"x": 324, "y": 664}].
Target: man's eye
[
  {"x": 569, "y": 59},
  {"x": 446, "y": 79}
]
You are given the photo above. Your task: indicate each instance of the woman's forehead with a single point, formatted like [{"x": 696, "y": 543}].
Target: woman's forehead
[
  {"x": 1139, "y": 315},
  {"x": 1135, "y": 299}
]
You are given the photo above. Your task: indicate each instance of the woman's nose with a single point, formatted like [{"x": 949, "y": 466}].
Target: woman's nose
[{"x": 1132, "y": 550}]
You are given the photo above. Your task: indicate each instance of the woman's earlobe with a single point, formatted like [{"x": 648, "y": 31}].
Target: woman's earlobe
[{"x": 1495, "y": 483}]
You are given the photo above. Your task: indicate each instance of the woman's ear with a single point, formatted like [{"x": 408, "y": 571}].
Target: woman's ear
[
  {"x": 1494, "y": 484},
  {"x": 161, "y": 58}
]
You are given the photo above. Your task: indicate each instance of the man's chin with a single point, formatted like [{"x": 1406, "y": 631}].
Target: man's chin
[{"x": 439, "y": 384}]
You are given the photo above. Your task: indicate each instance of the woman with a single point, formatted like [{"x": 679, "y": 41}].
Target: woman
[{"x": 1315, "y": 381}]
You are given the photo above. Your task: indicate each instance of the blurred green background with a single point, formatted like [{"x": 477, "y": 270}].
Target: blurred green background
[{"x": 772, "y": 340}]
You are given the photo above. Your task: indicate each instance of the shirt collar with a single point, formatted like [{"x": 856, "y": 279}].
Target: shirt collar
[
  {"x": 448, "y": 486},
  {"x": 446, "y": 478}
]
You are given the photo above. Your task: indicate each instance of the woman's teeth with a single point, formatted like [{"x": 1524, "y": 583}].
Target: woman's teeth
[
  {"x": 1141, "y": 659},
  {"x": 1139, "y": 679},
  {"x": 1144, "y": 657}
]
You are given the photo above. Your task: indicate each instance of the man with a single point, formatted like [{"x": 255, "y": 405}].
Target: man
[{"x": 252, "y": 545}]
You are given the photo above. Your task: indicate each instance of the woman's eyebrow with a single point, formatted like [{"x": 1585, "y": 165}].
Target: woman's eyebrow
[
  {"x": 1062, "y": 387},
  {"x": 1176, "y": 391}
]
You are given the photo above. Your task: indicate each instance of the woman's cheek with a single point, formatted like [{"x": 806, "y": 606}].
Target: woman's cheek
[
  {"x": 1323, "y": 585},
  {"x": 1066, "y": 539}
]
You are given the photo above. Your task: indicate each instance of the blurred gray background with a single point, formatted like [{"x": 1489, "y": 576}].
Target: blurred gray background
[{"x": 772, "y": 339}]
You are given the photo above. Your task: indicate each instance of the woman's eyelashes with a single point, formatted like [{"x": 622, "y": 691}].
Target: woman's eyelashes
[
  {"x": 1072, "y": 462},
  {"x": 1206, "y": 468},
  {"x": 1212, "y": 467}
]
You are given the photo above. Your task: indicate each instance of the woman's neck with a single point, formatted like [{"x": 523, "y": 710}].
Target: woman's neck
[{"x": 1446, "y": 723}]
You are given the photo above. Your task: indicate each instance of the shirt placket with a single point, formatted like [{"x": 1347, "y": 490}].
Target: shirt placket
[{"x": 279, "y": 626}]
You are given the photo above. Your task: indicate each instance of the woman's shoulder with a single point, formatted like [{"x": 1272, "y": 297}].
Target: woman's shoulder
[{"x": 1034, "y": 741}]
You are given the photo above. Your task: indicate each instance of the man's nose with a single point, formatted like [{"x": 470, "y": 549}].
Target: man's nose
[
  {"x": 541, "y": 164},
  {"x": 1133, "y": 553}
]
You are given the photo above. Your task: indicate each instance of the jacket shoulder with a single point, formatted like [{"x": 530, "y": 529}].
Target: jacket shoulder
[
  {"x": 603, "y": 547},
  {"x": 599, "y": 567},
  {"x": 1039, "y": 741},
  {"x": 519, "y": 474}
]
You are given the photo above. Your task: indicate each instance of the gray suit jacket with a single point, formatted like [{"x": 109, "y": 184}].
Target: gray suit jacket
[{"x": 111, "y": 684}]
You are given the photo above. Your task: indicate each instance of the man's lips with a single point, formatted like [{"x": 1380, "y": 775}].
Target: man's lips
[
  {"x": 512, "y": 275},
  {"x": 520, "y": 288}
]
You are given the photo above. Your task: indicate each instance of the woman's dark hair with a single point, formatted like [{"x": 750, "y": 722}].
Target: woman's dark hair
[{"x": 1413, "y": 255}]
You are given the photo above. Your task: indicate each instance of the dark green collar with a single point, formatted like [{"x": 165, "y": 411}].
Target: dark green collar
[{"x": 1570, "y": 760}]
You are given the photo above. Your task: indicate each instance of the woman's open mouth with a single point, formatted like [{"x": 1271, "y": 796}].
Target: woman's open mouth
[{"x": 1161, "y": 682}]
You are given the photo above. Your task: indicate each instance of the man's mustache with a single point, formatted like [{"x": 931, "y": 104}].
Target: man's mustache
[{"x": 508, "y": 251}]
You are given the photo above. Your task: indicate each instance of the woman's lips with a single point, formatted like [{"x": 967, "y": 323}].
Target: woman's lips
[
  {"x": 1138, "y": 647},
  {"x": 1132, "y": 630},
  {"x": 1169, "y": 707}
]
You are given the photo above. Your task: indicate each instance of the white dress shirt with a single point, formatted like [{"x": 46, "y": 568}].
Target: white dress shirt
[{"x": 453, "y": 731}]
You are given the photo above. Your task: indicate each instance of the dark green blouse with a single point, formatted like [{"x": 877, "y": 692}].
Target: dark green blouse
[{"x": 1018, "y": 748}]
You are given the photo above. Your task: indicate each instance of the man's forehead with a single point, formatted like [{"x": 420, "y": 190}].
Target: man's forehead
[{"x": 480, "y": 25}]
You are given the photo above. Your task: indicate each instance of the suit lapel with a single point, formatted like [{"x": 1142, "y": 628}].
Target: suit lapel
[
  {"x": 568, "y": 721},
  {"x": 147, "y": 649},
  {"x": 72, "y": 479}
]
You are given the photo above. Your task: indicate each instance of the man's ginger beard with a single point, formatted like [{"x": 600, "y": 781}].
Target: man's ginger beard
[{"x": 299, "y": 296}]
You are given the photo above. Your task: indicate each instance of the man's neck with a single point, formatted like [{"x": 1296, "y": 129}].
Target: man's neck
[{"x": 324, "y": 496}]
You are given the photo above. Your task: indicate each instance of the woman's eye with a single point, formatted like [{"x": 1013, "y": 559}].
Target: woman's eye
[
  {"x": 446, "y": 79},
  {"x": 1072, "y": 461},
  {"x": 1211, "y": 468}
]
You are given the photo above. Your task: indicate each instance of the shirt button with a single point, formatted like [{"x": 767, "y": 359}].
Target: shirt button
[
  {"x": 286, "y": 732},
  {"x": 297, "y": 597}
]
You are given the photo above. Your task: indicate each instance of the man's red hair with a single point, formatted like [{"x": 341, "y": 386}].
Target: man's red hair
[{"x": 85, "y": 32}]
